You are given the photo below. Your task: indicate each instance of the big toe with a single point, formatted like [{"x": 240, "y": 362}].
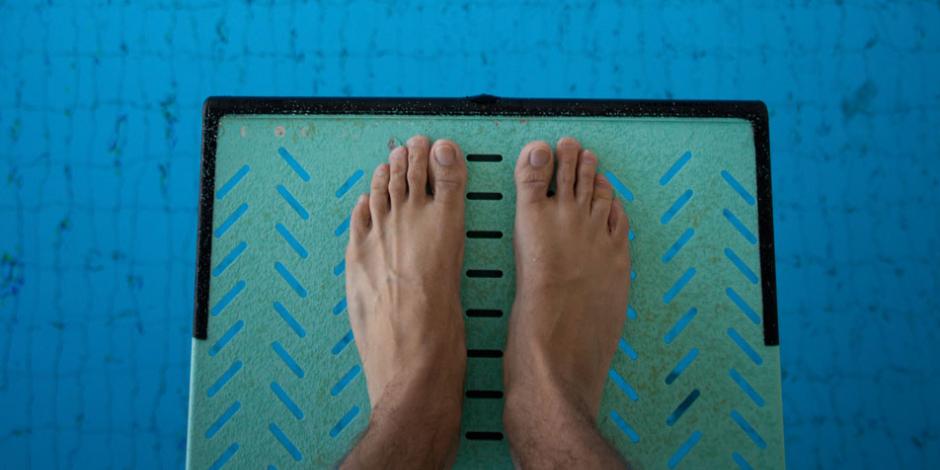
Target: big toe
[
  {"x": 533, "y": 172},
  {"x": 447, "y": 172}
]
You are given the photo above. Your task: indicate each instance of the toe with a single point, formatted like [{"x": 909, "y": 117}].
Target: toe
[
  {"x": 617, "y": 222},
  {"x": 602, "y": 198},
  {"x": 566, "y": 150},
  {"x": 398, "y": 168},
  {"x": 378, "y": 191},
  {"x": 533, "y": 172},
  {"x": 418, "y": 148},
  {"x": 587, "y": 169},
  {"x": 361, "y": 220},
  {"x": 447, "y": 172}
]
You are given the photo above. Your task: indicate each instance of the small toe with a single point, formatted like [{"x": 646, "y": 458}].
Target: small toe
[
  {"x": 602, "y": 197},
  {"x": 618, "y": 223},
  {"x": 587, "y": 169},
  {"x": 361, "y": 219},
  {"x": 418, "y": 148},
  {"x": 447, "y": 172},
  {"x": 566, "y": 151},
  {"x": 398, "y": 169},
  {"x": 533, "y": 172},
  {"x": 378, "y": 191}
]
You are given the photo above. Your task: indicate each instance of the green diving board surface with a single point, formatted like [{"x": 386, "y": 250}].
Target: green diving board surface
[{"x": 276, "y": 377}]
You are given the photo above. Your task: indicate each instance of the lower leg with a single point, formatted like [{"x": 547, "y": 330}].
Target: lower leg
[{"x": 409, "y": 429}]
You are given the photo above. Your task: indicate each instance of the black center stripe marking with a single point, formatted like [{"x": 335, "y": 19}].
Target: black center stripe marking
[
  {"x": 484, "y": 436},
  {"x": 482, "y": 157},
  {"x": 482, "y": 196},
  {"x": 484, "y": 394},
  {"x": 484, "y": 353},
  {"x": 487, "y": 273},
  {"x": 484, "y": 234},
  {"x": 483, "y": 312}
]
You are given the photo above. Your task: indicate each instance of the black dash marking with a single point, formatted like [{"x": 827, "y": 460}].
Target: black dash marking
[
  {"x": 482, "y": 157},
  {"x": 484, "y": 394},
  {"x": 484, "y": 436},
  {"x": 483, "y": 312},
  {"x": 488, "y": 273},
  {"x": 484, "y": 196},
  {"x": 484, "y": 353},
  {"x": 484, "y": 234}
]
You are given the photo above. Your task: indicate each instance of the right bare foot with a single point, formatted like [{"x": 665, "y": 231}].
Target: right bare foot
[{"x": 572, "y": 284}]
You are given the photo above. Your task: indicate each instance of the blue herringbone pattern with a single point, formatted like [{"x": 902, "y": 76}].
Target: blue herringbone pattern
[{"x": 99, "y": 144}]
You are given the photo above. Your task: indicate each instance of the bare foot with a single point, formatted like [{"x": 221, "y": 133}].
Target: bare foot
[
  {"x": 403, "y": 287},
  {"x": 572, "y": 284}
]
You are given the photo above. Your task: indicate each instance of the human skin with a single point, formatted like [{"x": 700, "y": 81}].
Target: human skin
[
  {"x": 403, "y": 286},
  {"x": 572, "y": 283}
]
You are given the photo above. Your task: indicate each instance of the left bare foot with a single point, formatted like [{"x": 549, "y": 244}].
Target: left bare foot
[{"x": 403, "y": 271}]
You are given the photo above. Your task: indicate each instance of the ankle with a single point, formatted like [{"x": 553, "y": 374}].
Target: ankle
[
  {"x": 543, "y": 405},
  {"x": 431, "y": 402},
  {"x": 548, "y": 428},
  {"x": 410, "y": 427},
  {"x": 427, "y": 386}
]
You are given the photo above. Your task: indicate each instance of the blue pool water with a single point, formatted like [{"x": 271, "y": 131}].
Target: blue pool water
[{"x": 99, "y": 150}]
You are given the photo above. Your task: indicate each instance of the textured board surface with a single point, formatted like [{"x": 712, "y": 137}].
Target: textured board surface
[
  {"x": 100, "y": 109},
  {"x": 278, "y": 380}
]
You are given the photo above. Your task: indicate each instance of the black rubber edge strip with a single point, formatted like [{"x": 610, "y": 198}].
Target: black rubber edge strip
[
  {"x": 223, "y": 105},
  {"x": 484, "y": 353},
  {"x": 484, "y": 312},
  {"x": 483, "y": 436},
  {"x": 477, "y": 157},
  {"x": 484, "y": 234},
  {"x": 765, "y": 222},
  {"x": 488, "y": 394},
  {"x": 485, "y": 273},
  {"x": 481, "y": 196},
  {"x": 487, "y": 105},
  {"x": 210, "y": 126}
]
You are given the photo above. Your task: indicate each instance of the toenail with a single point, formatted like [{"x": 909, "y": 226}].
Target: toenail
[
  {"x": 445, "y": 154},
  {"x": 589, "y": 157},
  {"x": 417, "y": 140},
  {"x": 538, "y": 156}
]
